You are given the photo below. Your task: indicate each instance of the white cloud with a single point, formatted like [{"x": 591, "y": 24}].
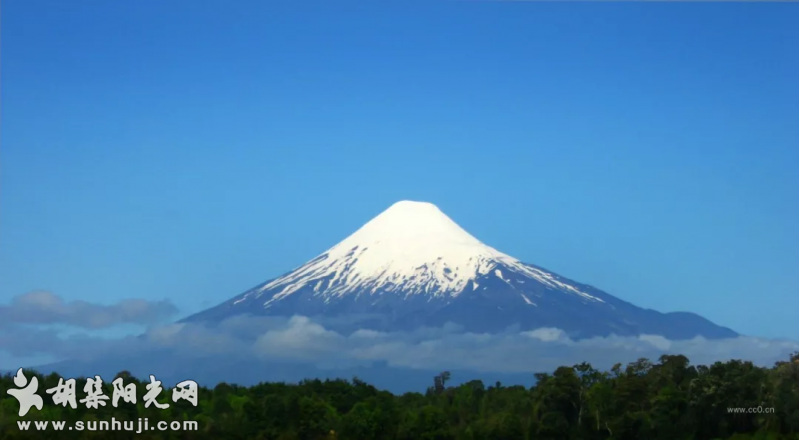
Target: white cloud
[
  {"x": 300, "y": 339},
  {"x": 537, "y": 350},
  {"x": 42, "y": 307}
]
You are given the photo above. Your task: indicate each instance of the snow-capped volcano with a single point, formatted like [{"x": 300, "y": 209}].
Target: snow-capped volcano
[{"x": 413, "y": 266}]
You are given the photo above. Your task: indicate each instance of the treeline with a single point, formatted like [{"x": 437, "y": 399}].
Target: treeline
[{"x": 667, "y": 400}]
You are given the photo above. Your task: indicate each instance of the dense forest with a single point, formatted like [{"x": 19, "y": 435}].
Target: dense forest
[{"x": 668, "y": 400}]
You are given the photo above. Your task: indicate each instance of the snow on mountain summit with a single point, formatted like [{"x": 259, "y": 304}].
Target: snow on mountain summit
[
  {"x": 410, "y": 242},
  {"x": 411, "y": 246}
]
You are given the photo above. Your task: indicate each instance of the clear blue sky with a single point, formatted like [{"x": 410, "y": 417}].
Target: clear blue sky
[{"x": 191, "y": 149}]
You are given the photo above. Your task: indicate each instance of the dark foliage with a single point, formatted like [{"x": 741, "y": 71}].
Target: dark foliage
[{"x": 668, "y": 400}]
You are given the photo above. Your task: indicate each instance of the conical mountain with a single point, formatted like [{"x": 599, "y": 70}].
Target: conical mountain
[{"x": 413, "y": 266}]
